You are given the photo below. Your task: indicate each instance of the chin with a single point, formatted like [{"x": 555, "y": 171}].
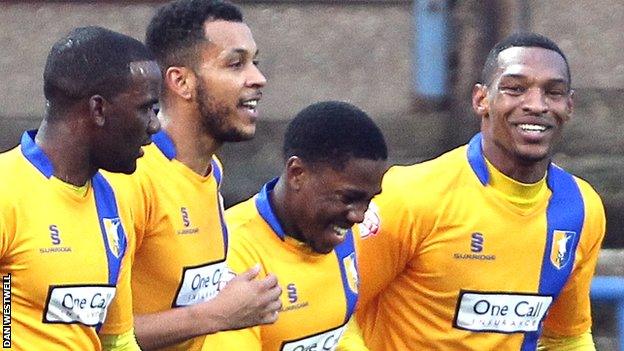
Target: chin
[
  {"x": 233, "y": 136},
  {"x": 122, "y": 168},
  {"x": 323, "y": 250},
  {"x": 533, "y": 157}
]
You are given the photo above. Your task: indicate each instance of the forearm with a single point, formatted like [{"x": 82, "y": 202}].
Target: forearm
[
  {"x": 166, "y": 328},
  {"x": 583, "y": 342}
]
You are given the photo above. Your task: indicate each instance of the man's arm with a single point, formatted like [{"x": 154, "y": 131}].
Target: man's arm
[{"x": 244, "y": 302}]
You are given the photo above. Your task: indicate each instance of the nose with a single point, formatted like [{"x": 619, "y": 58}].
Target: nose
[
  {"x": 255, "y": 79},
  {"x": 356, "y": 212},
  {"x": 153, "y": 126},
  {"x": 535, "y": 101}
]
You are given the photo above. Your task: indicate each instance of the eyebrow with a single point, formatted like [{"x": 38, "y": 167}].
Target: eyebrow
[
  {"x": 520, "y": 76},
  {"x": 241, "y": 51}
]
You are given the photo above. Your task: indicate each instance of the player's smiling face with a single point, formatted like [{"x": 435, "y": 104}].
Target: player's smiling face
[
  {"x": 525, "y": 105},
  {"x": 229, "y": 82},
  {"x": 330, "y": 201}
]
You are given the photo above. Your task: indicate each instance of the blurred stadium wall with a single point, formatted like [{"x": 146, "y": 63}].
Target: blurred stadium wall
[{"x": 359, "y": 51}]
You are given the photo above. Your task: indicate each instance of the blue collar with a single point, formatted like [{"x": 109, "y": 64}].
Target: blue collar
[
  {"x": 263, "y": 204},
  {"x": 35, "y": 155},
  {"x": 476, "y": 159},
  {"x": 164, "y": 143}
]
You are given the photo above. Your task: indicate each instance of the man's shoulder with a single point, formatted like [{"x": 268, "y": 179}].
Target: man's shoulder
[
  {"x": 14, "y": 170},
  {"x": 587, "y": 190},
  {"x": 433, "y": 173},
  {"x": 242, "y": 217}
]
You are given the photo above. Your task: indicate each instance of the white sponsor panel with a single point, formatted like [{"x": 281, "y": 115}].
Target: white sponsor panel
[
  {"x": 501, "y": 312},
  {"x": 201, "y": 284},
  {"x": 326, "y": 341},
  {"x": 79, "y": 304}
]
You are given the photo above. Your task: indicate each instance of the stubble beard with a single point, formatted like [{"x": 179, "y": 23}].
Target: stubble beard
[{"x": 214, "y": 118}]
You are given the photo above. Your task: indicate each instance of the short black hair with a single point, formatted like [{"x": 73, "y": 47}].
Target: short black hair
[
  {"x": 91, "y": 61},
  {"x": 177, "y": 28},
  {"x": 523, "y": 39},
  {"x": 333, "y": 132}
]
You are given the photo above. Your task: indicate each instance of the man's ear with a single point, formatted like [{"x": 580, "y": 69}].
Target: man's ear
[
  {"x": 180, "y": 81},
  {"x": 296, "y": 173},
  {"x": 480, "y": 103},
  {"x": 97, "y": 109}
]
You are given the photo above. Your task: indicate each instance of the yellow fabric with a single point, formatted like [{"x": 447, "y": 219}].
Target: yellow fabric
[
  {"x": 179, "y": 238},
  {"x": 121, "y": 342},
  {"x": 80, "y": 190},
  {"x": 313, "y": 294},
  {"x": 583, "y": 342},
  {"x": 522, "y": 195},
  {"x": 420, "y": 256},
  {"x": 50, "y": 240},
  {"x": 352, "y": 339}
]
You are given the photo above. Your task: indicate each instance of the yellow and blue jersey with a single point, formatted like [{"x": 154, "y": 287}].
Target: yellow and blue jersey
[
  {"x": 61, "y": 248},
  {"x": 181, "y": 238},
  {"x": 447, "y": 262},
  {"x": 319, "y": 290}
]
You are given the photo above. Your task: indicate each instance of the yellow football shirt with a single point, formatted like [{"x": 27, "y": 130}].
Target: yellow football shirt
[
  {"x": 60, "y": 253},
  {"x": 319, "y": 291},
  {"x": 448, "y": 263},
  {"x": 181, "y": 238}
]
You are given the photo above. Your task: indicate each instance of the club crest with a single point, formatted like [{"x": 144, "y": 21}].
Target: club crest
[{"x": 561, "y": 249}]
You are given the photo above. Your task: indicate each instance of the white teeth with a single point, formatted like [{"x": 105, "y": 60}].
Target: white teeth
[
  {"x": 251, "y": 104},
  {"x": 340, "y": 231},
  {"x": 532, "y": 127}
]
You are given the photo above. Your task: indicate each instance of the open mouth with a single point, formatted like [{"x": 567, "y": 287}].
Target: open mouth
[
  {"x": 340, "y": 232},
  {"x": 250, "y": 104},
  {"x": 533, "y": 128}
]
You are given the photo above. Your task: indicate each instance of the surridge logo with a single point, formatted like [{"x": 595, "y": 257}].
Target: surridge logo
[
  {"x": 561, "y": 248},
  {"x": 477, "y": 245},
  {"x": 55, "y": 240},
  {"x": 55, "y": 235},
  {"x": 186, "y": 222},
  {"x": 293, "y": 297},
  {"x": 292, "y": 292}
]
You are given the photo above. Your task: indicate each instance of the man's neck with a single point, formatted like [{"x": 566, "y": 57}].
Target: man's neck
[
  {"x": 278, "y": 199},
  {"x": 194, "y": 147},
  {"x": 67, "y": 147},
  {"x": 523, "y": 172}
]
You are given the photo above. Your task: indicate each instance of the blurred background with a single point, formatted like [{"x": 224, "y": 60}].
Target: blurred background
[{"x": 409, "y": 64}]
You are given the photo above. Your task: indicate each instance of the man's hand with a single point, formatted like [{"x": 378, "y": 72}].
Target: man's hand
[{"x": 247, "y": 301}]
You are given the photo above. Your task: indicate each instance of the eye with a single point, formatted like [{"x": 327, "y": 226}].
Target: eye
[
  {"x": 556, "y": 93},
  {"x": 344, "y": 199},
  {"x": 236, "y": 64},
  {"x": 513, "y": 89}
]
